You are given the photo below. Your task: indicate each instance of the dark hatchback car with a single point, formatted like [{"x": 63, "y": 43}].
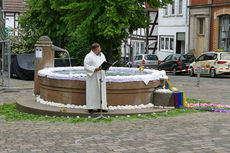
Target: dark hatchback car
[{"x": 176, "y": 62}]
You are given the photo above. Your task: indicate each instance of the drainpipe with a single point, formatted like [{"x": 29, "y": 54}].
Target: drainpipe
[
  {"x": 187, "y": 24},
  {"x": 186, "y": 17},
  {"x": 209, "y": 24}
]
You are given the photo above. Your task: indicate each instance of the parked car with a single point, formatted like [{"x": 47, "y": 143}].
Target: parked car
[
  {"x": 148, "y": 60},
  {"x": 175, "y": 62},
  {"x": 124, "y": 60},
  {"x": 211, "y": 63},
  {"x": 129, "y": 64}
]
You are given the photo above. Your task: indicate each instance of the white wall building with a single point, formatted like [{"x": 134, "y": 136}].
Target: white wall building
[{"x": 173, "y": 29}]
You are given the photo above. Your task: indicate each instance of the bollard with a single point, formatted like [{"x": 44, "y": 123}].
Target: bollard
[
  {"x": 44, "y": 57},
  {"x": 198, "y": 76}
]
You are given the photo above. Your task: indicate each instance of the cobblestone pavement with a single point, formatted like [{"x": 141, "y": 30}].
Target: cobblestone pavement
[
  {"x": 214, "y": 90},
  {"x": 197, "y": 132}
]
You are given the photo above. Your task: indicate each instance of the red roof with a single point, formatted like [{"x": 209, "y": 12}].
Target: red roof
[
  {"x": 14, "y": 6},
  {"x": 147, "y": 7}
]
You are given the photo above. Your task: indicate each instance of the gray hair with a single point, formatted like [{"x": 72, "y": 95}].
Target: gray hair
[{"x": 94, "y": 46}]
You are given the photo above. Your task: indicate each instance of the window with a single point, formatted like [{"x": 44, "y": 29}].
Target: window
[
  {"x": 224, "y": 33},
  {"x": 12, "y": 24},
  {"x": 162, "y": 43},
  {"x": 189, "y": 58},
  {"x": 173, "y": 8},
  {"x": 201, "y": 58},
  {"x": 168, "y": 58},
  {"x": 175, "y": 57},
  {"x": 180, "y": 6},
  {"x": 151, "y": 57},
  {"x": 171, "y": 43},
  {"x": 166, "y": 10},
  {"x": 166, "y": 43},
  {"x": 138, "y": 58},
  {"x": 137, "y": 48},
  {"x": 201, "y": 26},
  {"x": 210, "y": 56},
  {"x": 142, "y": 47}
]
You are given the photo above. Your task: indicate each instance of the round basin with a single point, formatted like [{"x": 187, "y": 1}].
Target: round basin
[{"x": 125, "y": 86}]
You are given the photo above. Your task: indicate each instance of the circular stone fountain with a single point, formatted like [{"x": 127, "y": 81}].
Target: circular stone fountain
[
  {"x": 125, "y": 86},
  {"x": 62, "y": 91}
]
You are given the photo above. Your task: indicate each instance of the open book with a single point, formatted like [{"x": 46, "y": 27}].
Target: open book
[{"x": 106, "y": 65}]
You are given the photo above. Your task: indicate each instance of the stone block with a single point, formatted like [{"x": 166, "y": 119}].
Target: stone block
[{"x": 163, "y": 97}]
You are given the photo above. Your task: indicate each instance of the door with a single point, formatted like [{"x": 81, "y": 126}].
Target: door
[
  {"x": 173, "y": 62},
  {"x": 199, "y": 61},
  {"x": 200, "y": 37},
  {"x": 137, "y": 60},
  {"x": 210, "y": 62},
  {"x": 166, "y": 63},
  {"x": 205, "y": 62},
  {"x": 178, "y": 47},
  {"x": 200, "y": 45},
  {"x": 180, "y": 42}
]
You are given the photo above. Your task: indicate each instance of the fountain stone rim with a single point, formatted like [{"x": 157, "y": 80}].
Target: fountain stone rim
[{"x": 151, "y": 74}]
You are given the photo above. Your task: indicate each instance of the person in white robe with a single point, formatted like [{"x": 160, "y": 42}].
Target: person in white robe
[{"x": 92, "y": 63}]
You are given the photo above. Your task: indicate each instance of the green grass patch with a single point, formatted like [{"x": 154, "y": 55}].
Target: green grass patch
[
  {"x": 194, "y": 101},
  {"x": 9, "y": 113}
]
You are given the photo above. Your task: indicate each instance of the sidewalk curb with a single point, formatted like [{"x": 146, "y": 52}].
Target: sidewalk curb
[{"x": 14, "y": 89}]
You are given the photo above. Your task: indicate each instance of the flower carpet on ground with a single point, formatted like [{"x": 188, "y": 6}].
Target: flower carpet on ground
[{"x": 180, "y": 102}]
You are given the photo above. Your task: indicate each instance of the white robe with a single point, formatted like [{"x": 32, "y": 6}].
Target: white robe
[{"x": 91, "y": 62}]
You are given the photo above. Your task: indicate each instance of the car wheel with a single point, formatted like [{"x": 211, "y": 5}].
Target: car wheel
[
  {"x": 191, "y": 72},
  {"x": 129, "y": 65},
  {"x": 212, "y": 73},
  {"x": 175, "y": 71}
]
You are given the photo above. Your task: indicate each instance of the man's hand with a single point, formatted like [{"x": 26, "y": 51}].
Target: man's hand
[{"x": 98, "y": 69}]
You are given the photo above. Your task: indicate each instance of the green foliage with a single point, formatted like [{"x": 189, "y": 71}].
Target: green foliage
[
  {"x": 43, "y": 17},
  {"x": 20, "y": 44},
  {"x": 194, "y": 101},
  {"x": 76, "y": 24}
]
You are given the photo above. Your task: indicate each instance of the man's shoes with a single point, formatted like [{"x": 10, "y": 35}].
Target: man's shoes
[
  {"x": 105, "y": 111},
  {"x": 91, "y": 111}
]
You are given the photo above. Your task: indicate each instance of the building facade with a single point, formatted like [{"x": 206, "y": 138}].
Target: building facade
[
  {"x": 142, "y": 41},
  {"x": 11, "y": 11},
  {"x": 173, "y": 29},
  {"x": 199, "y": 27},
  {"x": 220, "y": 25},
  {"x": 209, "y": 26}
]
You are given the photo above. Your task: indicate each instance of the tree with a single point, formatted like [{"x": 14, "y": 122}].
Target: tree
[
  {"x": 76, "y": 24},
  {"x": 43, "y": 17},
  {"x": 107, "y": 21},
  {"x": 18, "y": 43}
]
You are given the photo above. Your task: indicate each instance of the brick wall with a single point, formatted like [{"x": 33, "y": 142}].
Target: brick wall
[
  {"x": 220, "y": 1},
  {"x": 198, "y": 2},
  {"x": 214, "y": 34}
]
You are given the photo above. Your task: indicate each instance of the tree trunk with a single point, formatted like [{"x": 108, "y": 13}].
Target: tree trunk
[{"x": 109, "y": 52}]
